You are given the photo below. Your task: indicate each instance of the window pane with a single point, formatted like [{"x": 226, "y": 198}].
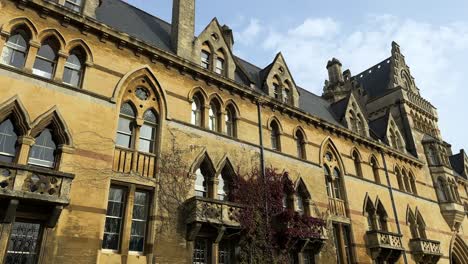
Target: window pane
[
  {"x": 127, "y": 109},
  {"x": 123, "y": 140},
  {"x": 139, "y": 220},
  {"x": 200, "y": 184},
  {"x": 147, "y": 132},
  {"x": 112, "y": 228},
  {"x": 200, "y": 252},
  {"x": 43, "y": 68},
  {"x": 7, "y": 139},
  {"x": 23, "y": 246},
  {"x": 43, "y": 151},
  {"x": 47, "y": 51},
  {"x": 149, "y": 116},
  {"x": 145, "y": 146},
  {"x": 224, "y": 253},
  {"x": 72, "y": 77}
]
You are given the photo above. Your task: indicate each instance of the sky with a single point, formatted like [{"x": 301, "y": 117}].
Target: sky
[{"x": 433, "y": 36}]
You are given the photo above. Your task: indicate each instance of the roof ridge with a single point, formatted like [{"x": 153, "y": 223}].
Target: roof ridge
[
  {"x": 370, "y": 68},
  {"x": 250, "y": 63}
]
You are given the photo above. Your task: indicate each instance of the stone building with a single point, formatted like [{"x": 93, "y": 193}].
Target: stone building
[{"x": 97, "y": 98}]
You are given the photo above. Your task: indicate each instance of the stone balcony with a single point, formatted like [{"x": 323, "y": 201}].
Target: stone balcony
[
  {"x": 384, "y": 246},
  {"x": 131, "y": 161},
  {"x": 425, "y": 250},
  {"x": 205, "y": 210},
  {"x": 42, "y": 190}
]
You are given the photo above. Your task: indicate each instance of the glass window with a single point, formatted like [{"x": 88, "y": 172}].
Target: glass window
[
  {"x": 42, "y": 153},
  {"x": 224, "y": 252},
  {"x": 114, "y": 217},
  {"x": 148, "y": 133},
  {"x": 300, "y": 145},
  {"x": 46, "y": 58},
  {"x": 219, "y": 69},
  {"x": 74, "y": 5},
  {"x": 223, "y": 188},
  {"x": 201, "y": 189},
  {"x": 275, "y": 144},
  {"x": 286, "y": 95},
  {"x": 205, "y": 59},
  {"x": 73, "y": 70},
  {"x": 200, "y": 251},
  {"x": 16, "y": 48},
  {"x": 276, "y": 90},
  {"x": 8, "y": 139},
  {"x": 213, "y": 114},
  {"x": 336, "y": 184},
  {"x": 196, "y": 112},
  {"x": 300, "y": 204},
  {"x": 125, "y": 128},
  {"x": 24, "y": 243},
  {"x": 229, "y": 119},
  {"x": 139, "y": 221}
]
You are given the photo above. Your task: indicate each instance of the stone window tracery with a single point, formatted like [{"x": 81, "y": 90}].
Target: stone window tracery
[
  {"x": 230, "y": 121},
  {"x": 74, "y": 66}
]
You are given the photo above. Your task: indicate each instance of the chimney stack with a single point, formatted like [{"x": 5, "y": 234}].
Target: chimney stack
[
  {"x": 335, "y": 74},
  {"x": 183, "y": 27},
  {"x": 228, "y": 36}
]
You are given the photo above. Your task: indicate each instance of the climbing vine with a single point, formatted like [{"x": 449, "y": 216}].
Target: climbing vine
[{"x": 270, "y": 232}]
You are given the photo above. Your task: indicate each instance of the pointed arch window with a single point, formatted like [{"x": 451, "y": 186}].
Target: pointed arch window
[
  {"x": 74, "y": 66},
  {"x": 370, "y": 215},
  {"x": 382, "y": 218},
  {"x": 375, "y": 170},
  {"x": 46, "y": 59},
  {"x": 214, "y": 116},
  {"x": 196, "y": 118},
  {"x": 275, "y": 136},
  {"x": 8, "y": 138},
  {"x": 277, "y": 91},
  {"x": 337, "y": 184},
  {"x": 219, "y": 69},
  {"x": 43, "y": 151},
  {"x": 357, "y": 164},
  {"x": 300, "y": 145},
  {"x": 230, "y": 121},
  {"x": 328, "y": 181},
  {"x": 286, "y": 95},
  {"x": 399, "y": 179},
  {"x": 442, "y": 190},
  {"x": 432, "y": 156},
  {"x": 16, "y": 48},
  {"x": 148, "y": 132},
  {"x": 300, "y": 203},
  {"x": 412, "y": 180},
  {"x": 205, "y": 59},
  {"x": 126, "y": 128},
  {"x": 201, "y": 184}
]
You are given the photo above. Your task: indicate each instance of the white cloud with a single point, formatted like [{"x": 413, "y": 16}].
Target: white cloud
[
  {"x": 437, "y": 55},
  {"x": 250, "y": 33}
]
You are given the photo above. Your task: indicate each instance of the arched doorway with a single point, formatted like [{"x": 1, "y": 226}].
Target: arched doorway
[{"x": 459, "y": 252}]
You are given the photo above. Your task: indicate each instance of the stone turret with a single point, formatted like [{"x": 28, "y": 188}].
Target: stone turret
[
  {"x": 335, "y": 74},
  {"x": 183, "y": 27},
  {"x": 339, "y": 84}
]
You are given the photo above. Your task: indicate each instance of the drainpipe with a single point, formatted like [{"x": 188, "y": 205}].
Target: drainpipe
[
  {"x": 260, "y": 134},
  {"x": 393, "y": 200}
]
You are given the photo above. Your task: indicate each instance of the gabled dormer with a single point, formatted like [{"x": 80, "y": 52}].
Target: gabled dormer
[
  {"x": 459, "y": 163},
  {"x": 212, "y": 49},
  {"x": 386, "y": 129},
  {"x": 279, "y": 83},
  {"x": 352, "y": 114}
]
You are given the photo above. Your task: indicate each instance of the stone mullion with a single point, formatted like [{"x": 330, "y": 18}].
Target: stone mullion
[
  {"x": 213, "y": 187},
  {"x": 3, "y": 39},
  {"x": 342, "y": 246},
  {"x": 127, "y": 222},
  {"x": 31, "y": 57},
  {"x": 136, "y": 143},
  {"x": 214, "y": 252},
  {"x": 222, "y": 123},
  {"x": 206, "y": 117},
  {"x": 25, "y": 144},
  {"x": 307, "y": 203},
  {"x": 60, "y": 66}
]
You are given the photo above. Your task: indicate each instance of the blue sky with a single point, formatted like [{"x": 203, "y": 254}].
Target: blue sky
[{"x": 433, "y": 36}]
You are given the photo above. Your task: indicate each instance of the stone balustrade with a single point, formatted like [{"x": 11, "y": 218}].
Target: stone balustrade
[
  {"x": 425, "y": 250},
  {"x": 205, "y": 210},
  {"x": 384, "y": 245},
  {"x": 131, "y": 161},
  {"x": 22, "y": 182}
]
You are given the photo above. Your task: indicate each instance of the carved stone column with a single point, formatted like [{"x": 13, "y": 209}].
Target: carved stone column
[
  {"x": 59, "y": 68},
  {"x": 32, "y": 53},
  {"x": 25, "y": 143}
]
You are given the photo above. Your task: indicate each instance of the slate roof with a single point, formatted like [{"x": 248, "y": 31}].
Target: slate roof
[
  {"x": 458, "y": 163},
  {"x": 379, "y": 127},
  {"x": 376, "y": 79},
  {"x": 135, "y": 22}
]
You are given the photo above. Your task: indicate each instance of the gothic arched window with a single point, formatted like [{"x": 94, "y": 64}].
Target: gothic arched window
[
  {"x": 357, "y": 164},
  {"x": 148, "y": 132},
  {"x": 214, "y": 116},
  {"x": 74, "y": 67},
  {"x": 275, "y": 136},
  {"x": 375, "y": 170},
  {"x": 300, "y": 144},
  {"x": 16, "y": 48},
  {"x": 197, "y": 113},
  {"x": 46, "y": 59},
  {"x": 8, "y": 138},
  {"x": 201, "y": 184},
  {"x": 230, "y": 121},
  {"x": 42, "y": 153},
  {"x": 125, "y": 130}
]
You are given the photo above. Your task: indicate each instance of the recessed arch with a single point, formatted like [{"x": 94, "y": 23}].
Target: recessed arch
[
  {"x": 52, "y": 118},
  {"x": 51, "y": 32},
  {"x": 410, "y": 217},
  {"x": 301, "y": 188},
  {"x": 301, "y": 130},
  {"x": 368, "y": 204},
  {"x": 458, "y": 251},
  {"x": 80, "y": 43},
  {"x": 197, "y": 90},
  {"x": 232, "y": 103},
  {"x": 203, "y": 157},
  {"x": 215, "y": 96},
  {"x": 15, "y": 109},
  {"x": 274, "y": 119},
  {"x": 328, "y": 143},
  {"x": 8, "y": 27}
]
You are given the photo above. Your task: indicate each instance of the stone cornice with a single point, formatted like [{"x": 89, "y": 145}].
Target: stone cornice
[{"x": 89, "y": 25}]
